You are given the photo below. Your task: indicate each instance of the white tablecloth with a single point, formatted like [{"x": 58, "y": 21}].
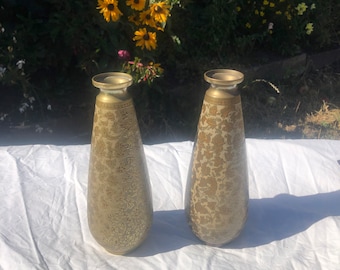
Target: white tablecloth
[{"x": 293, "y": 222}]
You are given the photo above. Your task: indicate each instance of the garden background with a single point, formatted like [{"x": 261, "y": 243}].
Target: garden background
[{"x": 289, "y": 51}]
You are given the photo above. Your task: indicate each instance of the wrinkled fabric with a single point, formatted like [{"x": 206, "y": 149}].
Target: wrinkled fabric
[{"x": 293, "y": 218}]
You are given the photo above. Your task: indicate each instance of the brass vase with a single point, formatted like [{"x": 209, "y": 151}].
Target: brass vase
[
  {"x": 119, "y": 196},
  {"x": 217, "y": 188}
]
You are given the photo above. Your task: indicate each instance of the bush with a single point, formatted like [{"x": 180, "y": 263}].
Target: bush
[
  {"x": 225, "y": 29},
  {"x": 62, "y": 40},
  {"x": 51, "y": 48}
]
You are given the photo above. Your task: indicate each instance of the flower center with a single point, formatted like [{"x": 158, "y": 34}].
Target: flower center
[
  {"x": 148, "y": 17},
  {"x": 136, "y": 1},
  {"x": 159, "y": 25},
  {"x": 110, "y": 7},
  {"x": 158, "y": 9},
  {"x": 146, "y": 37}
]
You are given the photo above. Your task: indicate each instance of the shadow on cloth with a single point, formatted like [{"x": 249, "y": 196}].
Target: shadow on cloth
[
  {"x": 269, "y": 219},
  {"x": 170, "y": 231},
  {"x": 274, "y": 219}
]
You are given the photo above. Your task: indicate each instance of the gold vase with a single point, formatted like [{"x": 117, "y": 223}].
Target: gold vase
[
  {"x": 119, "y": 195},
  {"x": 217, "y": 189}
]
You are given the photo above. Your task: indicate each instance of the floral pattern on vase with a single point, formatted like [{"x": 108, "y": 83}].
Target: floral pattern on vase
[
  {"x": 217, "y": 191},
  {"x": 119, "y": 195}
]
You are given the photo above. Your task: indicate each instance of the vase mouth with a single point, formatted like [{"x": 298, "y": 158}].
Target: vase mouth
[
  {"x": 225, "y": 77},
  {"x": 112, "y": 81}
]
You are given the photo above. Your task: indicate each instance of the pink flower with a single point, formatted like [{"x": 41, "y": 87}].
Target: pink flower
[{"x": 123, "y": 55}]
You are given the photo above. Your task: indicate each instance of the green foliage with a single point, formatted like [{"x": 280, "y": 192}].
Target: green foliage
[
  {"x": 57, "y": 39},
  {"x": 141, "y": 72},
  {"x": 51, "y": 48},
  {"x": 62, "y": 39},
  {"x": 205, "y": 27},
  {"x": 285, "y": 25},
  {"x": 229, "y": 29},
  {"x": 327, "y": 26},
  {"x": 67, "y": 39}
]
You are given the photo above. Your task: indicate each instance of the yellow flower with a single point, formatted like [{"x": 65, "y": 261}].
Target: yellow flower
[
  {"x": 279, "y": 12},
  {"x": 160, "y": 11},
  {"x": 146, "y": 18},
  {"x": 265, "y": 2},
  {"x": 159, "y": 26},
  {"x": 309, "y": 28},
  {"x": 238, "y": 8},
  {"x": 145, "y": 39},
  {"x": 136, "y": 4},
  {"x": 256, "y": 12},
  {"x": 261, "y": 13},
  {"x": 288, "y": 15},
  {"x": 271, "y": 4},
  {"x": 134, "y": 19},
  {"x": 248, "y": 25},
  {"x": 109, "y": 9},
  {"x": 301, "y": 8},
  {"x": 264, "y": 21},
  {"x": 313, "y": 6}
]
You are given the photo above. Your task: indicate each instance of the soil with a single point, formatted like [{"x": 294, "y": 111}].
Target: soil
[{"x": 293, "y": 98}]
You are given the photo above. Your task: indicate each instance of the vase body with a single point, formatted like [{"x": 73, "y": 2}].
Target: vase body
[
  {"x": 217, "y": 187},
  {"x": 119, "y": 195}
]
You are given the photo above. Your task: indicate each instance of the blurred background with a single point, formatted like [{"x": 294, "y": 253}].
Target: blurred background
[{"x": 289, "y": 51}]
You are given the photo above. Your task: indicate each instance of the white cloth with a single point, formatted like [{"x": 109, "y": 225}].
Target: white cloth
[{"x": 293, "y": 220}]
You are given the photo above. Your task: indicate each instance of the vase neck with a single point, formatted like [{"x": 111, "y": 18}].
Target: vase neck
[
  {"x": 114, "y": 96},
  {"x": 223, "y": 92}
]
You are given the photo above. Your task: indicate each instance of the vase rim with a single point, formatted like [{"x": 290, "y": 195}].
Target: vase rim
[
  {"x": 227, "y": 77},
  {"x": 111, "y": 81}
]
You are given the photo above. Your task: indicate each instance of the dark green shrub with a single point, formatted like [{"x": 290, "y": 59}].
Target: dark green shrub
[
  {"x": 229, "y": 29},
  {"x": 51, "y": 48}
]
